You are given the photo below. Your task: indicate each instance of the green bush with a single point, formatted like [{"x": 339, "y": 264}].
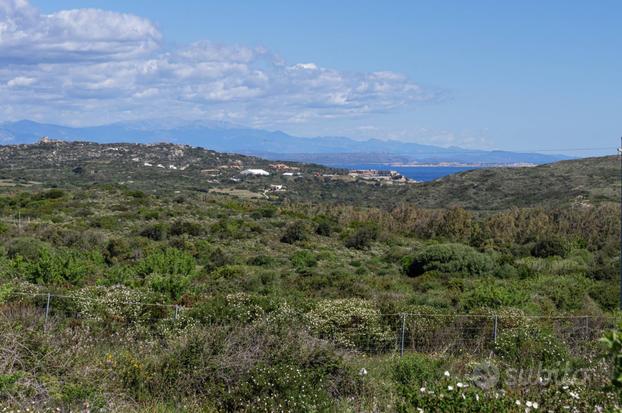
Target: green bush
[
  {"x": 493, "y": 294},
  {"x": 156, "y": 232},
  {"x": 449, "y": 259},
  {"x": 612, "y": 342},
  {"x": 303, "y": 261},
  {"x": 325, "y": 226},
  {"x": 52, "y": 194},
  {"x": 180, "y": 227},
  {"x": 362, "y": 236},
  {"x": 26, "y": 247},
  {"x": 417, "y": 370},
  {"x": 258, "y": 367},
  {"x": 294, "y": 232},
  {"x": 170, "y": 285},
  {"x": 527, "y": 345},
  {"x": 168, "y": 261},
  {"x": 549, "y": 247},
  {"x": 352, "y": 323},
  {"x": 60, "y": 267}
]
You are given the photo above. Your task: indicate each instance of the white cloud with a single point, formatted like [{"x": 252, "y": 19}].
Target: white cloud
[
  {"x": 98, "y": 66},
  {"x": 28, "y": 36},
  {"x": 20, "y": 81}
]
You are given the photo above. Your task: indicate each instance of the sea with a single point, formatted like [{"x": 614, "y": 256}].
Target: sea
[{"x": 418, "y": 173}]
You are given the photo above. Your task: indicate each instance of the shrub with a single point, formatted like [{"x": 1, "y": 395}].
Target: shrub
[
  {"x": 264, "y": 212},
  {"x": 258, "y": 367},
  {"x": 52, "y": 194},
  {"x": 217, "y": 258},
  {"x": 137, "y": 194},
  {"x": 60, "y": 267},
  {"x": 448, "y": 395},
  {"x": 352, "y": 323},
  {"x": 294, "y": 232},
  {"x": 303, "y": 261},
  {"x": 116, "y": 249},
  {"x": 324, "y": 226},
  {"x": 362, "y": 236},
  {"x": 113, "y": 306},
  {"x": 416, "y": 370},
  {"x": 186, "y": 227},
  {"x": 260, "y": 260},
  {"x": 612, "y": 342},
  {"x": 493, "y": 294},
  {"x": 529, "y": 345},
  {"x": 169, "y": 261},
  {"x": 549, "y": 247},
  {"x": 170, "y": 285},
  {"x": 157, "y": 232},
  {"x": 26, "y": 247},
  {"x": 449, "y": 259}
]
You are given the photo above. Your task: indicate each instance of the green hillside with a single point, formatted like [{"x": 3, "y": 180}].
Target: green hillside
[
  {"x": 578, "y": 182},
  {"x": 582, "y": 181},
  {"x": 201, "y": 289}
]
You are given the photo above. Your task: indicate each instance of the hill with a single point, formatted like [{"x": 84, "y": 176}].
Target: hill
[
  {"x": 225, "y": 137},
  {"x": 163, "y": 166},
  {"x": 582, "y": 181}
]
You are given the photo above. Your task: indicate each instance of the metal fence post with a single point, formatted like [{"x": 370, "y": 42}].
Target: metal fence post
[
  {"x": 403, "y": 334},
  {"x": 47, "y": 312},
  {"x": 494, "y": 329},
  {"x": 587, "y": 327},
  {"x": 176, "y": 311}
]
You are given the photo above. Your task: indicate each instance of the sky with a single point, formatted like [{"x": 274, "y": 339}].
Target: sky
[{"x": 522, "y": 75}]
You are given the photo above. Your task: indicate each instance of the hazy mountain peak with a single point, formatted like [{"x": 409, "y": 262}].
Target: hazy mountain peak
[{"x": 227, "y": 137}]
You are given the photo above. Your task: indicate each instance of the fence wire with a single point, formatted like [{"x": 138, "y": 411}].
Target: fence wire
[{"x": 455, "y": 334}]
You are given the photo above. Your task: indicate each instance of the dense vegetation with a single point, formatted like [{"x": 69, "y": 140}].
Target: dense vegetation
[{"x": 182, "y": 299}]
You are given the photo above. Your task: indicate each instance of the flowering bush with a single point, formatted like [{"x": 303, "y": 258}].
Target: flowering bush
[
  {"x": 530, "y": 344},
  {"x": 113, "y": 305},
  {"x": 351, "y": 323},
  {"x": 448, "y": 394}
]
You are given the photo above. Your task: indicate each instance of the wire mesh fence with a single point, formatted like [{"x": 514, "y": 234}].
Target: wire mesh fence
[
  {"x": 468, "y": 333},
  {"x": 455, "y": 334}
]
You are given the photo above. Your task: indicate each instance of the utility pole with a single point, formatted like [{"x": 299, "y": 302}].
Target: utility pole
[{"x": 620, "y": 156}]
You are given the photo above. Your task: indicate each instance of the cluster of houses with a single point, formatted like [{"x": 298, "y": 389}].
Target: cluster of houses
[
  {"x": 378, "y": 175},
  {"x": 284, "y": 169}
]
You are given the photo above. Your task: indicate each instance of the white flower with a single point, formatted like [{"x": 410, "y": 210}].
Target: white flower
[
  {"x": 363, "y": 372},
  {"x": 476, "y": 397},
  {"x": 422, "y": 390},
  {"x": 528, "y": 403},
  {"x": 461, "y": 385},
  {"x": 535, "y": 405},
  {"x": 450, "y": 388},
  {"x": 518, "y": 403},
  {"x": 446, "y": 373},
  {"x": 574, "y": 395},
  {"x": 419, "y": 410}
]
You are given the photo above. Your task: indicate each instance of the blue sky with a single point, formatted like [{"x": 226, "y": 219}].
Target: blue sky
[{"x": 523, "y": 75}]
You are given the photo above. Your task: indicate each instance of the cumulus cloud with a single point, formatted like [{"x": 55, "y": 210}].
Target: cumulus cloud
[
  {"x": 28, "y": 36},
  {"x": 102, "y": 66}
]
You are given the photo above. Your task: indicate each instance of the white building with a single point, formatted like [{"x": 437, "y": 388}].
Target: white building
[{"x": 257, "y": 172}]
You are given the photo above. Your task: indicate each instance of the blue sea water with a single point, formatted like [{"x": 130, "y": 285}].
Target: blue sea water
[{"x": 419, "y": 173}]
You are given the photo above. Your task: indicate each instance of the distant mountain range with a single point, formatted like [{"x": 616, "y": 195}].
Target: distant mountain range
[{"x": 224, "y": 137}]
